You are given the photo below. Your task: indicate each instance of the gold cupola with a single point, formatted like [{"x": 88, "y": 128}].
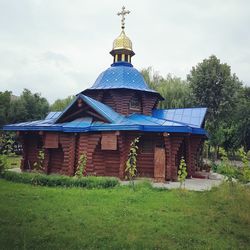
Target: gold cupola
[
  {"x": 122, "y": 45},
  {"x": 122, "y": 42}
]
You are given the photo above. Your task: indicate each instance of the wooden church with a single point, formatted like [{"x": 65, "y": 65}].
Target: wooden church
[{"x": 103, "y": 120}]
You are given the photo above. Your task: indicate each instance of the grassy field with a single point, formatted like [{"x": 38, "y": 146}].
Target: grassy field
[{"x": 33, "y": 217}]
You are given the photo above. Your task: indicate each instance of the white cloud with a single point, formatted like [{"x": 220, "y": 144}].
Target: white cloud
[{"x": 59, "y": 47}]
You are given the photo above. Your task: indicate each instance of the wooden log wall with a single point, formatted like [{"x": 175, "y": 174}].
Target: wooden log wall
[
  {"x": 149, "y": 102},
  {"x": 172, "y": 145},
  {"x": 31, "y": 147},
  {"x": 193, "y": 143},
  {"x": 119, "y": 100},
  {"x": 64, "y": 159},
  {"x": 55, "y": 158},
  {"x": 87, "y": 144}
]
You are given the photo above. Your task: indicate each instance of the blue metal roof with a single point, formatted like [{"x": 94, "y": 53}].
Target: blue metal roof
[
  {"x": 191, "y": 116},
  {"x": 108, "y": 113},
  {"x": 159, "y": 122},
  {"x": 121, "y": 76},
  {"x": 52, "y": 115}
]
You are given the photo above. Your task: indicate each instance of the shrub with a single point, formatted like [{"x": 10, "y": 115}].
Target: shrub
[
  {"x": 60, "y": 180},
  {"x": 81, "y": 166},
  {"x": 226, "y": 168},
  {"x": 245, "y": 176},
  {"x": 182, "y": 172},
  {"x": 3, "y": 163},
  {"x": 131, "y": 168},
  {"x": 214, "y": 167},
  {"x": 38, "y": 165}
]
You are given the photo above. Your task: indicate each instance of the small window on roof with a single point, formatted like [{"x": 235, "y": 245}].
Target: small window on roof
[{"x": 135, "y": 103}]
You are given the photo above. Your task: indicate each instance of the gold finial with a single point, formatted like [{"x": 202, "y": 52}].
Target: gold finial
[{"x": 123, "y": 13}]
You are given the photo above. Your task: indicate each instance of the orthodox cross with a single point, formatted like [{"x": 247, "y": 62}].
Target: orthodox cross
[{"x": 123, "y": 13}]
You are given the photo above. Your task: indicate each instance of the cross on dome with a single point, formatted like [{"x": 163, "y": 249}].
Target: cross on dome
[{"x": 123, "y": 13}]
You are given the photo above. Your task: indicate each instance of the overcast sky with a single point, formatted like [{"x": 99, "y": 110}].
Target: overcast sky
[{"x": 59, "y": 47}]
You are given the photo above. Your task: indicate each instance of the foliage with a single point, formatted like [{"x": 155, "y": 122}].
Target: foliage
[
  {"x": 5, "y": 99},
  {"x": 215, "y": 87},
  {"x": 131, "y": 168},
  {"x": 174, "y": 90},
  {"x": 38, "y": 165},
  {"x": 7, "y": 143},
  {"x": 182, "y": 172},
  {"x": 81, "y": 166},
  {"x": 26, "y": 107},
  {"x": 246, "y": 168},
  {"x": 240, "y": 135},
  {"x": 3, "y": 163},
  {"x": 61, "y": 104},
  {"x": 60, "y": 180},
  {"x": 57, "y": 218},
  {"x": 226, "y": 168}
]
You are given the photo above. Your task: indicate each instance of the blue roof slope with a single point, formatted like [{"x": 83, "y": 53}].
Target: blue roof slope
[
  {"x": 120, "y": 76},
  {"x": 52, "y": 115},
  {"x": 102, "y": 109},
  {"x": 191, "y": 116},
  {"x": 108, "y": 113}
]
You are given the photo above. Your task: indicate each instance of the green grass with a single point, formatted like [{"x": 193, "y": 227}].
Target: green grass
[{"x": 34, "y": 217}]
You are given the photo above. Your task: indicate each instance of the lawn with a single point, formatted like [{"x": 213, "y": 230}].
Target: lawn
[{"x": 34, "y": 217}]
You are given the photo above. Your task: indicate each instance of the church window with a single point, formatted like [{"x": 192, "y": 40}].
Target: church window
[
  {"x": 119, "y": 57},
  {"x": 134, "y": 103}
]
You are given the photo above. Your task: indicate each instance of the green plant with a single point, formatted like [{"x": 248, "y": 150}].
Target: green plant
[
  {"x": 246, "y": 169},
  {"x": 3, "y": 163},
  {"x": 81, "y": 166},
  {"x": 38, "y": 165},
  {"x": 131, "y": 168},
  {"x": 7, "y": 143},
  {"x": 226, "y": 168},
  {"x": 182, "y": 172},
  {"x": 60, "y": 180},
  {"x": 214, "y": 167}
]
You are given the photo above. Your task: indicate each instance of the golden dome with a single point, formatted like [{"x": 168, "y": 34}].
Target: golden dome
[{"x": 122, "y": 42}]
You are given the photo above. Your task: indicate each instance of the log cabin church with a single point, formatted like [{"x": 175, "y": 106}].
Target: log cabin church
[{"x": 103, "y": 120}]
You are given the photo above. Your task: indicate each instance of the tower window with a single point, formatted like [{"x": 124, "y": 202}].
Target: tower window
[
  {"x": 134, "y": 103},
  {"x": 119, "y": 57},
  {"x": 126, "y": 58}
]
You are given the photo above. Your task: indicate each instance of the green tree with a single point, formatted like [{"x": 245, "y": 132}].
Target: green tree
[
  {"x": 215, "y": 87},
  {"x": 28, "y": 107},
  {"x": 176, "y": 92},
  {"x": 5, "y": 99},
  {"x": 61, "y": 104},
  {"x": 241, "y": 133}
]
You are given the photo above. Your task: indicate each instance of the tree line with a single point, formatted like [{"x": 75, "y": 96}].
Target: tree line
[{"x": 209, "y": 84}]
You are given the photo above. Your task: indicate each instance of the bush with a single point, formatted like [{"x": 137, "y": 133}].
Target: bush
[
  {"x": 214, "y": 167},
  {"x": 60, "y": 180},
  {"x": 245, "y": 173},
  {"x": 3, "y": 163}
]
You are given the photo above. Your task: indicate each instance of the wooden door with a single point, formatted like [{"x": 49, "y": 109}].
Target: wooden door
[{"x": 159, "y": 164}]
